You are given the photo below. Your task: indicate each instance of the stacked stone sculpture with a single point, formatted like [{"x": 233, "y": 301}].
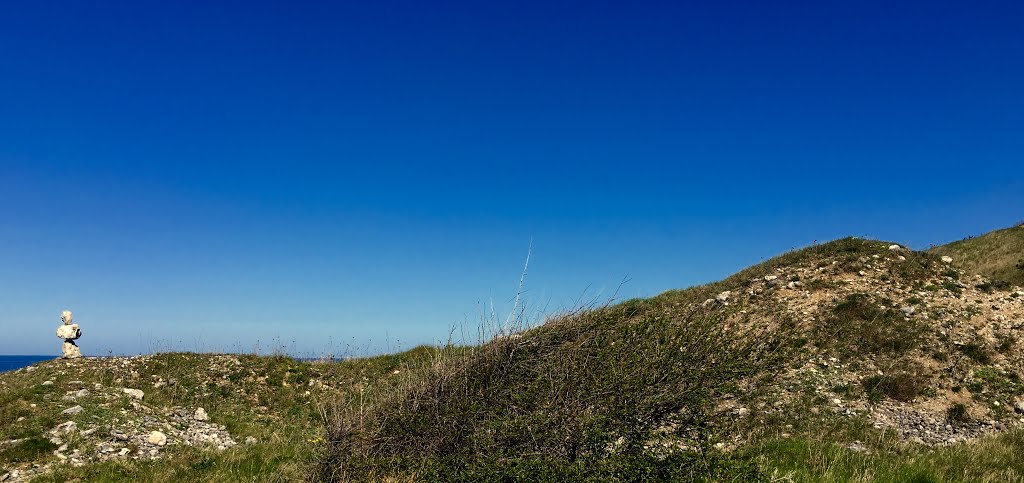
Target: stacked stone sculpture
[{"x": 69, "y": 332}]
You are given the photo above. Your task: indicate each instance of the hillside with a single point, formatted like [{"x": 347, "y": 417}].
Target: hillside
[
  {"x": 850, "y": 360},
  {"x": 998, "y": 255},
  {"x": 220, "y": 417},
  {"x": 853, "y": 360}
]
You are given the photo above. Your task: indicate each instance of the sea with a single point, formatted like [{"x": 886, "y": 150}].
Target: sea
[{"x": 10, "y": 363}]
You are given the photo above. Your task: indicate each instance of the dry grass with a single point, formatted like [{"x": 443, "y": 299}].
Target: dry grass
[
  {"x": 578, "y": 397},
  {"x": 998, "y": 255}
]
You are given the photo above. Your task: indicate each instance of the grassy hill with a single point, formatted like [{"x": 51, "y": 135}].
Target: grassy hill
[
  {"x": 998, "y": 255},
  {"x": 854, "y": 360},
  {"x": 262, "y": 415}
]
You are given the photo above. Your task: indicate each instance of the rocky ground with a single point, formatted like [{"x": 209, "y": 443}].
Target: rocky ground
[
  {"x": 102, "y": 422},
  {"x": 172, "y": 417},
  {"x": 963, "y": 355},
  {"x": 901, "y": 343}
]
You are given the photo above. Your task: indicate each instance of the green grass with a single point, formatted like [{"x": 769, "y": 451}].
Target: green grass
[
  {"x": 27, "y": 450},
  {"x": 586, "y": 392},
  {"x": 900, "y": 386},
  {"x": 992, "y": 459},
  {"x": 592, "y": 393},
  {"x": 628, "y": 392},
  {"x": 859, "y": 326},
  {"x": 998, "y": 255},
  {"x": 260, "y": 397}
]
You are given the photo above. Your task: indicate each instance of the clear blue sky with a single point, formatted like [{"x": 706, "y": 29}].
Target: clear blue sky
[{"x": 217, "y": 175}]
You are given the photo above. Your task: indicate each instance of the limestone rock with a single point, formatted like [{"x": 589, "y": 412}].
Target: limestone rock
[
  {"x": 71, "y": 411},
  {"x": 134, "y": 393},
  {"x": 200, "y": 415},
  {"x": 947, "y": 259},
  {"x": 157, "y": 438},
  {"x": 70, "y": 350},
  {"x": 69, "y": 332},
  {"x": 724, "y": 296}
]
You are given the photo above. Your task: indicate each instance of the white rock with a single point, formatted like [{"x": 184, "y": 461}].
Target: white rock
[
  {"x": 722, "y": 297},
  {"x": 200, "y": 415},
  {"x": 134, "y": 393},
  {"x": 895, "y": 248},
  {"x": 47, "y": 383},
  {"x": 769, "y": 278},
  {"x": 70, "y": 351},
  {"x": 857, "y": 447},
  {"x": 73, "y": 410},
  {"x": 946, "y": 259},
  {"x": 69, "y": 332},
  {"x": 158, "y": 438},
  {"x": 65, "y": 427},
  {"x": 908, "y": 310},
  {"x": 250, "y": 440}
]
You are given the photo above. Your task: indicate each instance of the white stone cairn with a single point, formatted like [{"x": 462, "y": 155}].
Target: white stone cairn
[{"x": 69, "y": 332}]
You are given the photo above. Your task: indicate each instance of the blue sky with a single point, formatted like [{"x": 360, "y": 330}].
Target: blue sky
[{"x": 354, "y": 177}]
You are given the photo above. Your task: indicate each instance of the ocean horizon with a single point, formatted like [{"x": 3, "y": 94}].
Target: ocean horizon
[{"x": 10, "y": 363}]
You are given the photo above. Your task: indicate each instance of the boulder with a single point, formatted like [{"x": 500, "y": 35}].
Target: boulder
[{"x": 134, "y": 393}]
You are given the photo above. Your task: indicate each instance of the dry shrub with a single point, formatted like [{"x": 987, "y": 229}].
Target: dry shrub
[{"x": 562, "y": 394}]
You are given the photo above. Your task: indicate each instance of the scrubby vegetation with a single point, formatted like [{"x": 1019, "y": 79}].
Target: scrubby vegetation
[
  {"x": 588, "y": 394},
  {"x": 609, "y": 394},
  {"x": 853, "y": 360},
  {"x": 860, "y": 326}
]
